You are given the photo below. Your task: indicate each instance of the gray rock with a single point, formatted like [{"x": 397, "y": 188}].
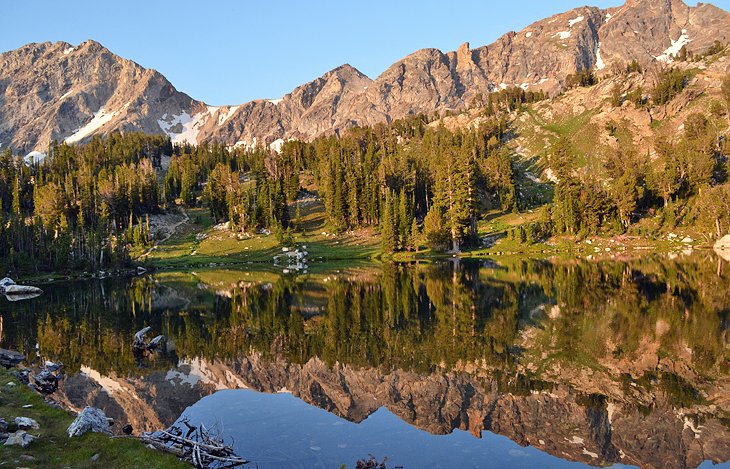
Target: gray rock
[
  {"x": 20, "y": 438},
  {"x": 25, "y": 423},
  {"x": 10, "y": 358},
  {"x": 90, "y": 419}
]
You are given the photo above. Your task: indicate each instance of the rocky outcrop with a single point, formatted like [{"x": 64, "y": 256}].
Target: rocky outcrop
[{"x": 61, "y": 92}]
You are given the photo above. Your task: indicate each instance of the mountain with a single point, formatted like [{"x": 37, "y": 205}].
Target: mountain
[{"x": 57, "y": 91}]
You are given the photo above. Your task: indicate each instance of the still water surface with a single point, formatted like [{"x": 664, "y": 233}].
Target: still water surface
[{"x": 502, "y": 363}]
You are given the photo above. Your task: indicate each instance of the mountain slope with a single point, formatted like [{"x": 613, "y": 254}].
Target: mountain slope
[
  {"x": 59, "y": 92},
  {"x": 56, "y": 91}
]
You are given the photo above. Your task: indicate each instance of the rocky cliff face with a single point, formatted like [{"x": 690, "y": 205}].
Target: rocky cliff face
[
  {"x": 560, "y": 421},
  {"x": 60, "y": 92},
  {"x": 56, "y": 91}
]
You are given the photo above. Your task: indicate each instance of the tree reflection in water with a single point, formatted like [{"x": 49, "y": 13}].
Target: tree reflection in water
[{"x": 612, "y": 361}]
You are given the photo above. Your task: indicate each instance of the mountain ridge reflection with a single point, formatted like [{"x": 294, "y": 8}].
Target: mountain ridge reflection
[{"x": 617, "y": 361}]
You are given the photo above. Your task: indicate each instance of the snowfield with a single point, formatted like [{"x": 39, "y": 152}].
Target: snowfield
[
  {"x": 190, "y": 126},
  {"x": 100, "y": 119},
  {"x": 222, "y": 118},
  {"x": 600, "y": 65},
  {"x": 276, "y": 145},
  {"x": 674, "y": 49},
  {"x": 34, "y": 157},
  {"x": 575, "y": 21}
]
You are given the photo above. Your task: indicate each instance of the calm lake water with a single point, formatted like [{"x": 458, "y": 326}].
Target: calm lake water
[{"x": 508, "y": 362}]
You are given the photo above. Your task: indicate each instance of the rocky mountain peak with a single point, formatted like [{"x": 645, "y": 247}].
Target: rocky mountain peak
[{"x": 59, "y": 91}]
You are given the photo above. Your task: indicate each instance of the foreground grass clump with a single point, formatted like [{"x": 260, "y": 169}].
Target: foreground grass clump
[{"x": 54, "y": 448}]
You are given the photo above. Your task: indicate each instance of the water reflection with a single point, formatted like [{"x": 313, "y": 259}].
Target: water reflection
[{"x": 617, "y": 361}]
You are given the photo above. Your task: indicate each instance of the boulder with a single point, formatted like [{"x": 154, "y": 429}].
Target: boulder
[
  {"x": 10, "y": 358},
  {"x": 16, "y": 292},
  {"x": 90, "y": 419},
  {"x": 7, "y": 281},
  {"x": 25, "y": 423},
  {"x": 723, "y": 243},
  {"x": 20, "y": 438}
]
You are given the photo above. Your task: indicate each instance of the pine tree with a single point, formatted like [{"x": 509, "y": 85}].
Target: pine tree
[{"x": 388, "y": 230}]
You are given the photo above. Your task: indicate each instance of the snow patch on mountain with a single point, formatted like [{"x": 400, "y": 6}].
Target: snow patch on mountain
[
  {"x": 107, "y": 384},
  {"x": 673, "y": 50},
  {"x": 562, "y": 34},
  {"x": 222, "y": 118},
  {"x": 69, "y": 50},
  {"x": 529, "y": 34},
  {"x": 34, "y": 157},
  {"x": 575, "y": 21},
  {"x": 101, "y": 118},
  {"x": 275, "y": 101},
  {"x": 199, "y": 373},
  {"x": 276, "y": 145},
  {"x": 600, "y": 64},
  {"x": 184, "y": 127}
]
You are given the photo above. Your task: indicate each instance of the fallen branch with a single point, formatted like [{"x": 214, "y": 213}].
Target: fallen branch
[{"x": 198, "y": 446}]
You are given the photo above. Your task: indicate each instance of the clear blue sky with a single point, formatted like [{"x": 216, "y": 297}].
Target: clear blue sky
[{"x": 229, "y": 52}]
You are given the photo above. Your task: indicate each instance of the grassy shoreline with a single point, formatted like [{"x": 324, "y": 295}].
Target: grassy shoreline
[
  {"x": 198, "y": 244},
  {"x": 54, "y": 448}
]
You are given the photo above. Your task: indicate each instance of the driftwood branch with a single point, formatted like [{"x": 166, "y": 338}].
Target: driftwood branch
[{"x": 198, "y": 447}]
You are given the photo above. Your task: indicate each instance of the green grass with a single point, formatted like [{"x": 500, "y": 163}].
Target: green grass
[
  {"x": 54, "y": 448},
  {"x": 222, "y": 247}
]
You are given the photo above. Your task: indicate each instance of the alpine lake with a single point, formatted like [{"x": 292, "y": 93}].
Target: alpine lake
[{"x": 499, "y": 362}]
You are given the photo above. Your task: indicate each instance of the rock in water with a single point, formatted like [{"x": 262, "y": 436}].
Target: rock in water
[
  {"x": 6, "y": 282},
  {"x": 723, "y": 243},
  {"x": 90, "y": 419},
  {"x": 722, "y": 247},
  {"x": 25, "y": 423},
  {"x": 19, "y": 438}
]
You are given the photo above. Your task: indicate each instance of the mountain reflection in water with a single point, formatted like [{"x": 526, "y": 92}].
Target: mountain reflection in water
[{"x": 598, "y": 362}]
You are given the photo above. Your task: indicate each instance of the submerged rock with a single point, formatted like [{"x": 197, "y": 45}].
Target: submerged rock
[{"x": 90, "y": 419}]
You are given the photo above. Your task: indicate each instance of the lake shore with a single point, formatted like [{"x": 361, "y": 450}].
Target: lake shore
[{"x": 54, "y": 448}]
